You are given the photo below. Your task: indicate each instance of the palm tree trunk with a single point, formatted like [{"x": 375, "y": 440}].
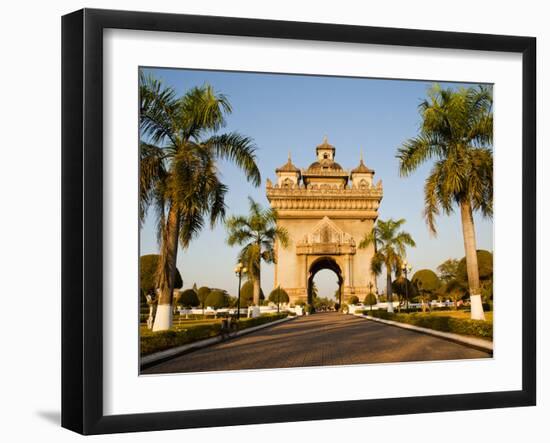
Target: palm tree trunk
[
  {"x": 257, "y": 287},
  {"x": 167, "y": 271},
  {"x": 388, "y": 289},
  {"x": 472, "y": 269}
]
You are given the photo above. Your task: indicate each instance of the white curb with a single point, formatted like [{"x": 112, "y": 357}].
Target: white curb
[
  {"x": 473, "y": 342},
  {"x": 173, "y": 352}
]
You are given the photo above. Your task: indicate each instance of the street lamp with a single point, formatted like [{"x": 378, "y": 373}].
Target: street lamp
[
  {"x": 240, "y": 269},
  {"x": 406, "y": 269}
]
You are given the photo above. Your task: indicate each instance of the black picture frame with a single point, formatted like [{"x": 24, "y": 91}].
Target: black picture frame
[{"x": 82, "y": 218}]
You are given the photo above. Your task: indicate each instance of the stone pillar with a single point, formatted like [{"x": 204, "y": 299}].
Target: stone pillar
[
  {"x": 346, "y": 272},
  {"x": 350, "y": 269}
]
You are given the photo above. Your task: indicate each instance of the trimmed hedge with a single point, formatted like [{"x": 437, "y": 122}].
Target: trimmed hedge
[
  {"x": 477, "y": 328},
  {"x": 193, "y": 331},
  {"x": 159, "y": 341}
]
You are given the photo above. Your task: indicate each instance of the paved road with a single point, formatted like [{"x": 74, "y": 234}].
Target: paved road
[{"x": 318, "y": 340}]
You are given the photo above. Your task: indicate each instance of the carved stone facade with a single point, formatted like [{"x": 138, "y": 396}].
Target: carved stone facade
[{"x": 327, "y": 211}]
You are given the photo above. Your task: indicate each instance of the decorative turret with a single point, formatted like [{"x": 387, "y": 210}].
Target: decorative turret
[
  {"x": 361, "y": 176},
  {"x": 325, "y": 171},
  {"x": 288, "y": 175},
  {"x": 325, "y": 151}
]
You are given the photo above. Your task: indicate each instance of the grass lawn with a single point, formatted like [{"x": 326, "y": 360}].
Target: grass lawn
[
  {"x": 457, "y": 322},
  {"x": 456, "y": 314}
]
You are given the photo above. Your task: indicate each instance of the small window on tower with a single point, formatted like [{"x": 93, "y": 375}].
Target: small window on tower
[{"x": 325, "y": 156}]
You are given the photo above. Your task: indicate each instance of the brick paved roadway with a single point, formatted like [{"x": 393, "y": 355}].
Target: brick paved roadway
[{"x": 318, "y": 340}]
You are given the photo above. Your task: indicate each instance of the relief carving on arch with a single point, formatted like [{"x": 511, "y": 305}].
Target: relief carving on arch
[{"x": 326, "y": 238}]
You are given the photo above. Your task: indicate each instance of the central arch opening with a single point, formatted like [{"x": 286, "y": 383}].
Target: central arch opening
[{"x": 320, "y": 264}]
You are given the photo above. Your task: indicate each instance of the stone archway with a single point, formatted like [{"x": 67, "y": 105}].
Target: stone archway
[
  {"x": 324, "y": 262},
  {"x": 326, "y": 210}
]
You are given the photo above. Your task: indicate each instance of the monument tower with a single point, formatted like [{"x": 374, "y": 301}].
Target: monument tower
[{"x": 326, "y": 210}]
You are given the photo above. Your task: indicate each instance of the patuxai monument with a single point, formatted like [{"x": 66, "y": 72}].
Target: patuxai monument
[{"x": 326, "y": 210}]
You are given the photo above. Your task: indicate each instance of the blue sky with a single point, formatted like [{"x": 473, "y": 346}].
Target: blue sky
[{"x": 285, "y": 113}]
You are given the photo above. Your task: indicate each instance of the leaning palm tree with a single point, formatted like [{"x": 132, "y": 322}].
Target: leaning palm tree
[
  {"x": 179, "y": 177},
  {"x": 457, "y": 132},
  {"x": 390, "y": 248},
  {"x": 257, "y": 233}
]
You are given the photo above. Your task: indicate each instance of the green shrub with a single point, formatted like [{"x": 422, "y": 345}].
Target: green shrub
[
  {"x": 477, "y": 328},
  {"x": 426, "y": 280},
  {"x": 202, "y": 293},
  {"x": 278, "y": 295},
  {"x": 353, "y": 300},
  {"x": 217, "y": 299},
  {"x": 370, "y": 299},
  {"x": 189, "y": 298},
  {"x": 344, "y": 308}
]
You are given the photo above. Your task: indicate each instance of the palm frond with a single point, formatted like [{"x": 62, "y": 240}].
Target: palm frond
[
  {"x": 238, "y": 149},
  {"x": 158, "y": 106},
  {"x": 376, "y": 263},
  {"x": 152, "y": 171}
]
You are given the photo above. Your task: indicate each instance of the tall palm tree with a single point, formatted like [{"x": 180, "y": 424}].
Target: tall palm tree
[
  {"x": 257, "y": 233},
  {"x": 179, "y": 148},
  {"x": 390, "y": 245},
  {"x": 457, "y": 132}
]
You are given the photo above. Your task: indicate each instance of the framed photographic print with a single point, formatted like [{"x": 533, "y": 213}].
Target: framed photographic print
[{"x": 269, "y": 221}]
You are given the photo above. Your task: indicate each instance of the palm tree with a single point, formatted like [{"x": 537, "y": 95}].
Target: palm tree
[
  {"x": 257, "y": 233},
  {"x": 457, "y": 132},
  {"x": 179, "y": 147},
  {"x": 390, "y": 245},
  {"x": 314, "y": 290}
]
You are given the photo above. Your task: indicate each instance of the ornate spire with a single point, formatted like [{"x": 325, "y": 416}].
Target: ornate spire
[
  {"x": 288, "y": 166},
  {"x": 362, "y": 167},
  {"x": 325, "y": 143}
]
